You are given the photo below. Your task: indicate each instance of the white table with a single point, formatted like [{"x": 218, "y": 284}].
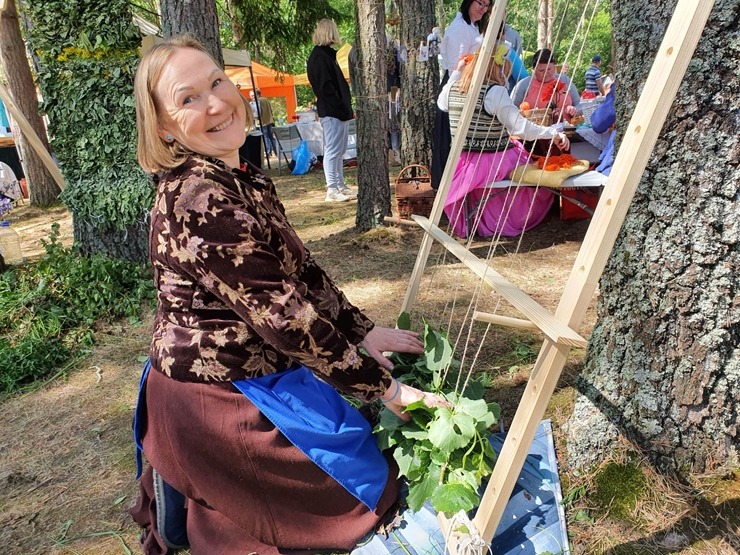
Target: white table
[{"x": 313, "y": 134}]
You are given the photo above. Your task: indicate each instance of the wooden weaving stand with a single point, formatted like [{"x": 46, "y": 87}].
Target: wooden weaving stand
[{"x": 669, "y": 67}]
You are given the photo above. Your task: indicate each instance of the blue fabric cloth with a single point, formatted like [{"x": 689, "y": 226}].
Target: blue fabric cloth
[{"x": 325, "y": 427}]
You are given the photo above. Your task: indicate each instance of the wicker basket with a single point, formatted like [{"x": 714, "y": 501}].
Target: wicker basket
[
  {"x": 540, "y": 116},
  {"x": 414, "y": 193}
]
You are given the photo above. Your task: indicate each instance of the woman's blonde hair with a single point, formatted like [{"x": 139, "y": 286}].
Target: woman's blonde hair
[
  {"x": 496, "y": 73},
  {"x": 153, "y": 153},
  {"x": 326, "y": 33}
]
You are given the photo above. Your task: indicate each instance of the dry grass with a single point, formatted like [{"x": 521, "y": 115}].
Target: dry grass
[{"x": 66, "y": 454}]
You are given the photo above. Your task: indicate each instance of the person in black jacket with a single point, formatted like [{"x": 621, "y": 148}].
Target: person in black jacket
[{"x": 334, "y": 105}]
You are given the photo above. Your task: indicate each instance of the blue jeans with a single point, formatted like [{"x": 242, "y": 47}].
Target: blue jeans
[
  {"x": 336, "y": 133},
  {"x": 268, "y": 134}
]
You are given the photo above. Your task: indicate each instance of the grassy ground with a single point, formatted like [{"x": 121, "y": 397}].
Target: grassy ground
[{"x": 66, "y": 455}]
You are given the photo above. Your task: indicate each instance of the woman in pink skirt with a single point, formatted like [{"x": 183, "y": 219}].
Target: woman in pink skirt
[{"x": 490, "y": 153}]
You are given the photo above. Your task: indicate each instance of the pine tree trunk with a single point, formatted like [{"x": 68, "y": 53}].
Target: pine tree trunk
[
  {"x": 663, "y": 367},
  {"x": 419, "y": 83},
  {"x": 43, "y": 189},
  {"x": 197, "y": 17},
  {"x": 374, "y": 201}
]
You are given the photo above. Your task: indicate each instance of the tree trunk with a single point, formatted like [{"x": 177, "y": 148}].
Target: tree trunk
[
  {"x": 197, "y": 17},
  {"x": 419, "y": 83},
  {"x": 663, "y": 367},
  {"x": 43, "y": 189},
  {"x": 374, "y": 200},
  {"x": 545, "y": 16}
]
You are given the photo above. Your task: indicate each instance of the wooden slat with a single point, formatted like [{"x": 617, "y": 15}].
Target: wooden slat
[
  {"x": 674, "y": 54},
  {"x": 506, "y": 321},
  {"x": 556, "y": 330},
  {"x": 32, "y": 137}
]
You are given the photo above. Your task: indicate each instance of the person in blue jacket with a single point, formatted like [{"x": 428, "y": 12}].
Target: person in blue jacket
[{"x": 603, "y": 119}]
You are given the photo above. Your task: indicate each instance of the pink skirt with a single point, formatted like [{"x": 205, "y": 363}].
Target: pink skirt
[{"x": 491, "y": 212}]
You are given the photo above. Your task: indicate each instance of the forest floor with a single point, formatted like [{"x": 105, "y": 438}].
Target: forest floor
[{"x": 66, "y": 452}]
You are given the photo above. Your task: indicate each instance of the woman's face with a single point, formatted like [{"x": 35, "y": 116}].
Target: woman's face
[
  {"x": 200, "y": 107},
  {"x": 478, "y": 9},
  {"x": 544, "y": 72}
]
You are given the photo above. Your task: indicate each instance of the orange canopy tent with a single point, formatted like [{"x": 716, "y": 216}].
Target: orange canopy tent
[{"x": 268, "y": 81}]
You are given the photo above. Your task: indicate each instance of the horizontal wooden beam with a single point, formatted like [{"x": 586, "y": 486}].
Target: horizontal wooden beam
[
  {"x": 557, "y": 331},
  {"x": 506, "y": 321}
]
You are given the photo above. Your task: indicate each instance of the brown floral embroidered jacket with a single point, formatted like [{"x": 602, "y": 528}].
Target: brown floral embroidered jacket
[{"x": 239, "y": 296}]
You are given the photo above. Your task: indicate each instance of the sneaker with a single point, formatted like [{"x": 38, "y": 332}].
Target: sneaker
[
  {"x": 348, "y": 192},
  {"x": 336, "y": 196}
]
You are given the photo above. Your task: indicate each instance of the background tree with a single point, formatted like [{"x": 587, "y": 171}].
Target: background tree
[
  {"x": 545, "y": 19},
  {"x": 197, "y": 17},
  {"x": 279, "y": 29},
  {"x": 663, "y": 367},
  {"x": 43, "y": 189},
  {"x": 87, "y": 58},
  {"x": 374, "y": 200},
  {"x": 419, "y": 83}
]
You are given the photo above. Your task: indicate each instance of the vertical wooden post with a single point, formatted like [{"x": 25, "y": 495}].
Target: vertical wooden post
[{"x": 672, "y": 59}]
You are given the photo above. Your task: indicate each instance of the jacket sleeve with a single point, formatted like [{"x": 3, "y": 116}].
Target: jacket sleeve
[
  {"x": 604, "y": 116},
  {"x": 498, "y": 103}
]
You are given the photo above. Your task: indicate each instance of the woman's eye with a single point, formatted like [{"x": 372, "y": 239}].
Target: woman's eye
[
  {"x": 216, "y": 82},
  {"x": 187, "y": 100}
]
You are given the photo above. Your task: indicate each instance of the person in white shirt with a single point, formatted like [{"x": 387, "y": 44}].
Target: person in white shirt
[{"x": 463, "y": 36}]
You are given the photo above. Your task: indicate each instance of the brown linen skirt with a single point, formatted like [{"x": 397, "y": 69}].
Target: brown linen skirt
[{"x": 249, "y": 489}]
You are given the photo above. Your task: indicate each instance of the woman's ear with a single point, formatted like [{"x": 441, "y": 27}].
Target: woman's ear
[{"x": 165, "y": 135}]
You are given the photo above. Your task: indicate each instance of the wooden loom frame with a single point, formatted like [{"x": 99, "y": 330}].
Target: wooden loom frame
[{"x": 672, "y": 58}]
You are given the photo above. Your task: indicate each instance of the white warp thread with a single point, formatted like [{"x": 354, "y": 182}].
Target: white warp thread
[{"x": 467, "y": 538}]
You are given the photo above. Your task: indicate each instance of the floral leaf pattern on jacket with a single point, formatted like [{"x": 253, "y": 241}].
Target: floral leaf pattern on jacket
[{"x": 239, "y": 295}]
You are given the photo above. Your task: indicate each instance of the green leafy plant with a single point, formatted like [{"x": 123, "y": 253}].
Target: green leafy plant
[
  {"x": 48, "y": 309},
  {"x": 444, "y": 453}
]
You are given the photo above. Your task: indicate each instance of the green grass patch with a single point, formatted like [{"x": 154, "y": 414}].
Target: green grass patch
[{"x": 48, "y": 309}]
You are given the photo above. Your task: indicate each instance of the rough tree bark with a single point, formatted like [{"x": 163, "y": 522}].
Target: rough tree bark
[
  {"x": 545, "y": 17},
  {"x": 197, "y": 17},
  {"x": 374, "y": 200},
  {"x": 419, "y": 83},
  {"x": 43, "y": 189},
  {"x": 663, "y": 366}
]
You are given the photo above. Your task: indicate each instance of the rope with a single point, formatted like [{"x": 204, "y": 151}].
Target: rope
[{"x": 467, "y": 538}]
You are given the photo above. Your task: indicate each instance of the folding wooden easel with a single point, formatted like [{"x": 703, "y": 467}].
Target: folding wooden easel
[{"x": 669, "y": 67}]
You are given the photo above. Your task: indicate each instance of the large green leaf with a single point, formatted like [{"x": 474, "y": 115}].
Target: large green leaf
[
  {"x": 450, "y": 431},
  {"x": 424, "y": 489},
  {"x": 453, "y": 497}
]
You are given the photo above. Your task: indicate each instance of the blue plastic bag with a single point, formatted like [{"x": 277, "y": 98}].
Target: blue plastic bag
[{"x": 302, "y": 158}]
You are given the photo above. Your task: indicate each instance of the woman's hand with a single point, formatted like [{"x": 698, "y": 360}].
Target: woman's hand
[
  {"x": 561, "y": 141},
  {"x": 398, "y": 396},
  {"x": 380, "y": 339},
  {"x": 570, "y": 111}
]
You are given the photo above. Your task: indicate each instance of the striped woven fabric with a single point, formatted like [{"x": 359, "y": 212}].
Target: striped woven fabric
[
  {"x": 486, "y": 133},
  {"x": 533, "y": 523}
]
